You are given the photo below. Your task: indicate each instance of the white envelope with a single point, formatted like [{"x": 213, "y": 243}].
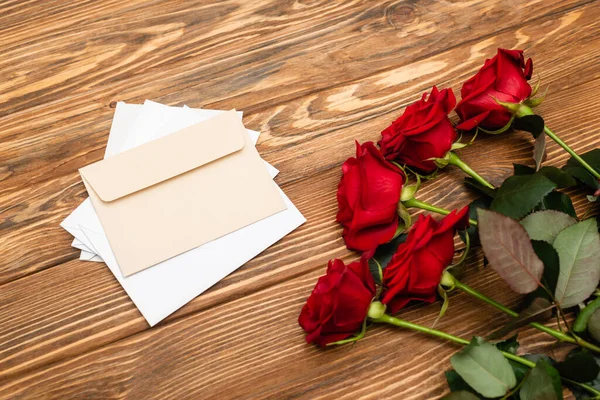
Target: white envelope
[
  {"x": 154, "y": 120},
  {"x": 162, "y": 289}
]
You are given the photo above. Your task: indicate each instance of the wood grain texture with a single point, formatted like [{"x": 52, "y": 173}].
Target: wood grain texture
[
  {"x": 316, "y": 124},
  {"x": 312, "y": 76}
]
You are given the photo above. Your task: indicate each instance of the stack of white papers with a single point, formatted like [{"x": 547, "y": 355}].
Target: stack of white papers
[{"x": 159, "y": 289}]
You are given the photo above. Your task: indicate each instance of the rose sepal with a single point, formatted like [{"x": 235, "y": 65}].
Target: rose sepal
[
  {"x": 534, "y": 102},
  {"x": 409, "y": 191},
  {"x": 458, "y": 146},
  {"x": 519, "y": 110},
  {"x": 512, "y": 107},
  {"x": 443, "y": 161},
  {"x": 352, "y": 339},
  {"x": 448, "y": 281},
  {"x": 463, "y": 256},
  {"x": 530, "y": 101},
  {"x": 445, "y": 303},
  {"x": 501, "y": 130},
  {"x": 406, "y": 220}
]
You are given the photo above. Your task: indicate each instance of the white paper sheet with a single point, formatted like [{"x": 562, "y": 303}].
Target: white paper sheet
[{"x": 87, "y": 256}]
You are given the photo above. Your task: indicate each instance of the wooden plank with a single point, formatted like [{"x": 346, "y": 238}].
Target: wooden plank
[
  {"x": 248, "y": 55},
  {"x": 321, "y": 126},
  {"x": 253, "y": 348}
]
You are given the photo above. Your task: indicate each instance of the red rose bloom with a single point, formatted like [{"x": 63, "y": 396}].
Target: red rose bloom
[
  {"x": 416, "y": 268},
  {"x": 503, "y": 78},
  {"x": 339, "y": 303},
  {"x": 422, "y": 132},
  {"x": 368, "y": 197}
]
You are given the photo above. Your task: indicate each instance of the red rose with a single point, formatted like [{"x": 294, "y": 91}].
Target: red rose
[
  {"x": 339, "y": 303},
  {"x": 422, "y": 132},
  {"x": 416, "y": 268},
  {"x": 368, "y": 197},
  {"x": 503, "y": 78}
]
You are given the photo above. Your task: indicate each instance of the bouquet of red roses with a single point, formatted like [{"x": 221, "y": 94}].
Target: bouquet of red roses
[{"x": 527, "y": 229}]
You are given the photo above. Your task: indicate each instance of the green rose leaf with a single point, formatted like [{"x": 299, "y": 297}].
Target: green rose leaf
[
  {"x": 491, "y": 193},
  {"x": 455, "y": 382},
  {"x": 510, "y": 345},
  {"x": 559, "y": 202},
  {"x": 582, "y": 175},
  {"x": 591, "y": 157},
  {"x": 542, "y": 383},
  {"x": 593, "y": 325},
  {"x": 484, "y": 203},
  {"x": 579, "y": 366},
  {"x": 384, "y": 253},
  {"x": 579, "y": 393},
  {"x": 549, "y": 257},
  {"x": 562, "y": 178},
  {"x": 522, "y": 371},
  {"x": 539, "y": 151},
  {"x": 578, "y": 248},
  {"x": 545, "y": 225},
  {"x": 533, "y": 124},
  {"x": 460, "y": 395},
  {"x": 520, "y": 169},
  {"x": 484, "y": 368},
  {"x": 509, "y": 251},
  {"x": 579, "y": 172},
  {"x": 518, "y": 195}
]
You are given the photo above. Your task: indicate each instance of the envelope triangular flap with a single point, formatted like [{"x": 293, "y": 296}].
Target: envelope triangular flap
[{"x": 166, "y": 157}]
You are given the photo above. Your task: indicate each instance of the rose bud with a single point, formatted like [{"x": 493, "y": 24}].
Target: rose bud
[
  {"x": 368, "y": 196},
  {"x": 503, "y": 78},
  {"x": 339, "y": 303},
  {"x": 416, "y": 268},
  {"x": 422, "y": 133}
]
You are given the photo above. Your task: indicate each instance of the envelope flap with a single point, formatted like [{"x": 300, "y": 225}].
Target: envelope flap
[{"x": 167, "y": 157}]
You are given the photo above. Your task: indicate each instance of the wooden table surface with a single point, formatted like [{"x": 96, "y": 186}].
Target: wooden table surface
[{"x": 312, "y": 76}]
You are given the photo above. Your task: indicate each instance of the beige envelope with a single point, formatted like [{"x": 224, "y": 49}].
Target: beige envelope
[{"x": 178, "y": 192}]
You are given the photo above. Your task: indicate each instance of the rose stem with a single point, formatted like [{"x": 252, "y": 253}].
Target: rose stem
[
  {"x": 562, "y": 144},
  {"x": 563, "y": 337},
  {"x": 524, "y": 110},
  {"x": 429, "y": 207},
  {"x": 453, "y": 159},
  {"x": 388, "y": 319}
]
